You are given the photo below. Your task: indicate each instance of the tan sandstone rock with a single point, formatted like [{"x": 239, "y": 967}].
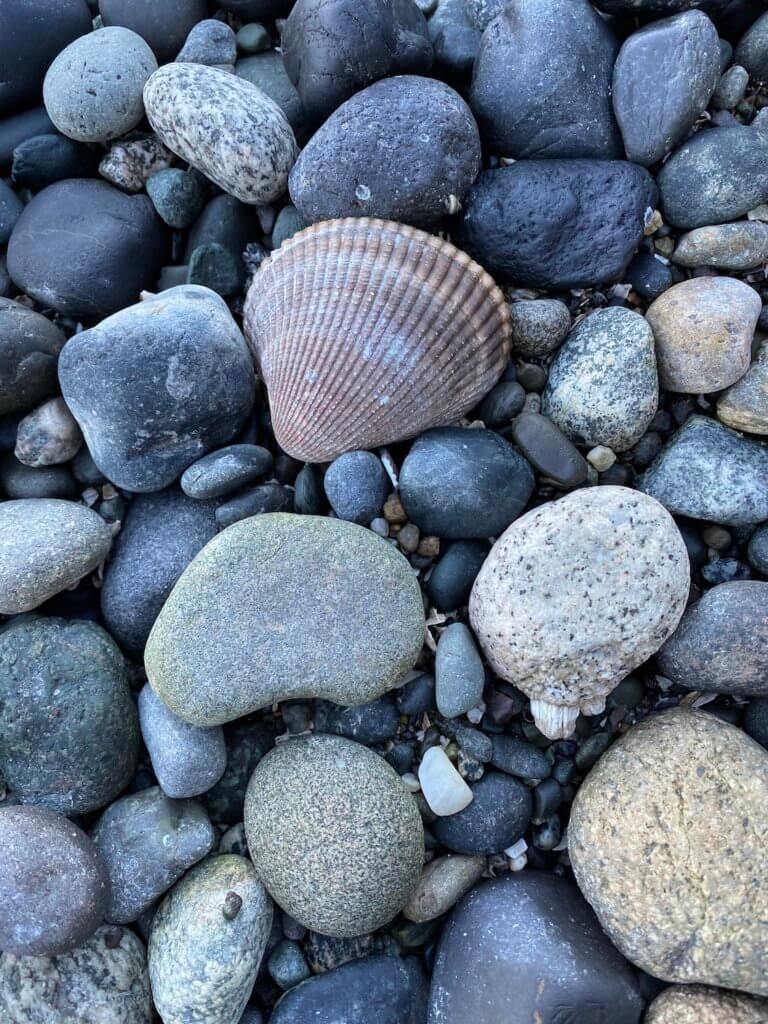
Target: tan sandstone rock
[{"x": 696, "y": 1004}]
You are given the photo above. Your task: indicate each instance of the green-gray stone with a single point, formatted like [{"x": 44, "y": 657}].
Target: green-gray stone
[
  {"x": 281, "y": 606},
  {"x": 207, "y": 941}
]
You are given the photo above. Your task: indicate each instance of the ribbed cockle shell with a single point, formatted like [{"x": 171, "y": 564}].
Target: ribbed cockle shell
[{"x": 369, "y": 332}]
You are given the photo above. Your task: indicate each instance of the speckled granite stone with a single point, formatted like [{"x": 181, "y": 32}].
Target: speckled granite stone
[
  {"x": 225, "y": 127},
  {"x": 334, "y": 834},
  {"x": 207, "y": 941},
  {"x": 680, "y": 896},
  {"x": 576, "y": 594},
  {"x": 697, "y": 1004},
  {"x": 744, "y": 406}
]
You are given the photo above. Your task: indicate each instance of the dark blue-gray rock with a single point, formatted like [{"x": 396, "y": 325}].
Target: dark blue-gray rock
[
  {"x": 417, "y": 695},
  {"x": 455, "y": 38},
  {"x": 459, "y": 483},
  {"x": 541, "y": 85},
  {"x": 147, "y": 842},
  {"x": 482, "y": 12},
  {"x": 225, "y": 470},
  {"x": 347, "y": 170},
  {"x": 258, "y": 8},
  {"x": 731, "y": 87},
  {"x": 375, "y": 722},
  {"x": 757, "y": 551},
  {"x": 721, "y": 643},
  {"x": 187, "y": 760},
  {"x": 160, "y": 535},
  {"x": 17, "y": 128},
  {"x": 518, "y": 757},
  {"x": 718, "y": 175},
  {"x": 451, "y": 579},
  {"x": 356, "y": 485},
  {"x": 247, "y": 742},
  {"x": 603, "y": 387},
  {"x": 706, "y": 471},
  {"x": 10, "y": 211},
  {"x": 270, "y": 497},
  {"x": 267, "y": 71},
  {"x": 498, "y": 816},
  {"x": 527, "y": 947},
  {"x": 253, "y": 37},
  {"x": 548, "y": 450},
  {"x": 395, "y": 987},
  {"x": 48, "y": 546},
  {"x": 32, "y": 32},
  {"x": 225, "y": 221},
  {"x": 651, "y": 7},
  {"x": 69, "y": 734},
  {"x": 29, "y": 352},
  {"x": 502, "y": 403},
  {"x": 287, "y": 223},
  {"x": 157, "y": 385},
  {"x": 164, "y": 26},
  {"x": 459, "y": 672},
  {"x": 287, "y": 966},
  {"x": 20, "y": 481},
  {"x": 214, "y": 266},
  {"x": 557, "y": 224},
  {"x": 664, "y": 77},
  {"x": 752, "y": 50},
  {"x": 178, "y": 196},
  {"x": 755, "y": 721},
  {"x": 209, "y": 42},
  {"x": 86, "y": 273},
  {"x": 44, "y": 159},
  {"x": 53, "y": 884},
  {"x": 648, "y": 276},
  {"x": 333, "y": 49}
]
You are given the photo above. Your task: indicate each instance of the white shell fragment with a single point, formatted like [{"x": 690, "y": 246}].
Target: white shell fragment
[
  {"x": 576, "y": 594},
  {"x": 444, "y": 789}
]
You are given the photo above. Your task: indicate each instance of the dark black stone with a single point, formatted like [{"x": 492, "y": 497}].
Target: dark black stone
[
  {"x": 755, "y": 721},
  {"x": 548, "y": 450},
  {"x": 29, "y": 352},
  {"x": 332, "y": 48},
  {"x": 160, "y": 535},
  {"x": 459, "y": 483},
  {"x": 227, "y": 222},
  {"x": 347, "y": 170},
  {"x": 658, "y": 7},
  {"x": 10, "y": 211},
  {"x": 455, "y": 39},
  {"x": 356, "y": 485},
  {"x": 45, "y": 159},
  {"x": 247, "y": 743},
  {"x": 287, "y": 223},
  {"x": 502, "y": 403},
  {"x": 591, "y": 750},
  {"x": 271, "y": 497},
  {"x": 258, "y": 9},
  {"x": 309, "y": 496},
  {"x": 20, "y": 481},
  {"x": 497, "y": 817},
  {"x": 691, "y": 533},
  {"x": 646, "y": 449},
  {"x": 417, "y": 696},
  {"x": 648, "y": 276},
  {"x": 401, "y": 756},
  {"x": 224, "y": 470},
  {"x": 18, "y": 128},
  {"x": 557, "y": 224},
  {"x": 86, "y": 271},
  {"x": 541, "y": 85},
  {"x": 215, "y": 267},
  {"x": 375, "y": 722},
  {"x": 503, "y": 957},
  {"x": 164, "y": 25},
  {"x": 547, "y": 797},
  {"x": 267, "y": 71},
  {"x": 451, "y": 579},
  {"x": 85, "y": 470},
  {"x": 757, "y": 552},
  {"x": 520, "y": 758}
]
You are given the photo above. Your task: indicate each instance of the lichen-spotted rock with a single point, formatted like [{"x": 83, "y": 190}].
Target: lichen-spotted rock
[
  {"x": 576, "y": 594},
  {"x": 697, "y": 1004},
  {"x": 667, "y": 840},
  {"x": 225, "y": 127}
]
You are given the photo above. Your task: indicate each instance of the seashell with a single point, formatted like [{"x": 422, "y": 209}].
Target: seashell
[{"x": 369, "y": 332}]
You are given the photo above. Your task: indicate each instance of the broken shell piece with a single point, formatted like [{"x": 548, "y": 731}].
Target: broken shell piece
[{"x": 576, "y": 594}]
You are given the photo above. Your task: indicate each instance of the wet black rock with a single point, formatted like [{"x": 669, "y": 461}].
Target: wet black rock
[
  {"x": 375, "y": 722},
  {"x": 455, "y": 38},
  {"x": 658, "y": 6},
  {"x": 45, "y": 159},
  {"x": 459, "y": 483},
  {"x": 528, "y": 947},
  {"x": 17, "y": 128},
  {"x": 247, "y": 743},
  {"x": 557, "y": 224},
  {"x": 548, "y": 450},
  {"x": 356, "y": 486},
  {"x": 752, "y": 50},
  {"x": 347, "y": 170},
  {"x": 29, "y": 351},
  {"x": 333, "y": 49},
  {"x": 757, "y": 552},
  {"x": 541, "y": 85},
  {"x": 417, "y": 695},
  {"x": 451, "y": 579},
  {"x": 648, "y": 276},
  {"x": 497, "y": 817},
  {"x": 755, "y": 721},
  {"x": 271, "y": 497},
  {"x": 518, "y": 757},
  {"x": 309, "y": 496},
  {"x": 20, "y": 481},
  {"x": 86, "y": 273},
  {"x": 225, "y": 470},
  {"x": 258, "y": 8},
  {"x": 227, "y": 222}
]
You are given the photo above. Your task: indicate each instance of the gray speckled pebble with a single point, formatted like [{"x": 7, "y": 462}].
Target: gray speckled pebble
[
  {"x": 225, "y": 127},
  {"x": 539, "y": 326},
  {"x": 603, "y": 387},
  {"x": 707, "y": 471},
  {"x": 209, "y": 42},
  {"x": 186, "y": 759},
  {"x": 334, "y": 834},
  {"x": 443, "y": 882},
  {"x": 147, "y": 842},
  {"x": 48, "y": 436},
  {"x": 104, "y": 980},
  {"x": 204, "y": 952},
  {"x": 459, "y": 672},
  {"x": 47, "y": 545}
]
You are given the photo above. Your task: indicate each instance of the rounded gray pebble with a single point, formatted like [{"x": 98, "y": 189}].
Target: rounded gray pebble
[
  {"x": 459, "y": 672},
  {"x": 539, "y": 326},
  {"x": 356, "y": 486},
  {"x": 48, "y": 436},
  {"x": 225, "y": 470}
]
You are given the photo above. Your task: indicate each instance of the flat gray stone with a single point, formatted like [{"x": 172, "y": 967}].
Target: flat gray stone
[
  {"x": 752, "y": 49},
  {"x": 225, "y": 470},
  {"x": 459, "y": 672}
]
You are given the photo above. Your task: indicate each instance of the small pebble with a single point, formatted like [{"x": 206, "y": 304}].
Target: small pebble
[{"x": 444, "y": 789}]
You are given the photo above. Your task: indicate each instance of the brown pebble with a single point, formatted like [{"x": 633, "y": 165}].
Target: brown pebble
[
  {"x": 429, "y": 547},
  {"x": 394, "y": 511}
]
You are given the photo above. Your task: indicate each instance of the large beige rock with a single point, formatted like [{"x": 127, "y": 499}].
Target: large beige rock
[
  {"x": 667, "y": 840},
  {"x": 696, "y": 1004},
  {"x": 745, "y": 405},
  {"x": 703, "y": 330}
]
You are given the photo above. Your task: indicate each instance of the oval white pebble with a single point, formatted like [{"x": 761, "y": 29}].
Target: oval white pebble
[{"x": 444, "y": 789}]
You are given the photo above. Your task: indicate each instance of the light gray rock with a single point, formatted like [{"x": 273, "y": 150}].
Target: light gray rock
[
  {"x": 225, "y": 127},
  {"x": 48, "y": 436},
  {"x": 147, "y": 842},
  {"x": 539, "y": 326},
  {"x": 739, "y": 246},
  {"x": 93, "y": 89},
  {"x": 186, "y": 759},
  {"x": 459, "y": 672},
  {"x": 48, "y": 545},
  {"x": 603, "y": 388},
  {"x": 744, "y": 406},
  {"x": 442, "y": 884},
  {"x": 207, "y": 941},
  {"x": 130, "y": 163}
]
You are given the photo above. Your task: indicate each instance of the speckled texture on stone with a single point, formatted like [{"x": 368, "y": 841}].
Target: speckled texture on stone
[
  {"x": 498, "y": 816},
  {"x": 157, "y": 385},
  {"x": 459, "y": 672},
  {"x": 603, "y": 386},
  {"x": 703, "y": 329},
  {"x": 334, "y": 834},
  {"x": 225, "y": 127},
  {"x": 130, "y": 163},
  {"x": 48, "y": 545},
  {"x": 443, "y": 882},
  {"x": 347, "y": 170},
  {"x": 526, "y": 949},
  {"x": 739, "y": 246},
  {"x": 29, "y": 351},
  {"x": 147, "y": 842},
  {"x": 575, "y": 595},
  {"x": 721, "y": 644},
  {"x": 744, "y": 406},
  {"x": 69, "y": 733},
  {"x": 332, "y": 609},
  {"x": 104, "y": 980},
  {"x": 54, "y": 887},
  {"x": 538, "y": 326},
  {"x": 92, "y": 91},
  {"x": 707, "y": 471},
  {"x": 647, "y": 814},
  {"x": 48, "y": 436},
  {"x": 698, "y": 1004},
  {"x": 203, "y": 960},
  {"x": 664, "y": 77}
]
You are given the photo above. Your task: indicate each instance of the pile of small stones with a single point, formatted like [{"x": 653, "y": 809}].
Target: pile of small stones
[{"x": 463, "y": 724}]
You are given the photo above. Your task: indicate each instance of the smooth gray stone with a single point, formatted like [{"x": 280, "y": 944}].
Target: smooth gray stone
[
  {"x": 267, "y": 71},
  {"x": 209, "y": 42},
  {"x": 752, "y": 49},
  {"x": 225, "y": 470},
  {"x": 498, "y": 816},
  {"x": 10, "y": 211},
  {"x": 664, "y": 77},
  {"x": 548, "y": 450},
  {"x": 147, "y": 842},
  {"x": 164, "y": 25},
  {"x": 20, "y": 481},
  {"x": 356, "y": 486},
  {"x": 270, "y": 497},
  {"x": 459, "y": 672},
  {"x": 455, "y": 38},
  {"x": 29, "y": 352}
]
